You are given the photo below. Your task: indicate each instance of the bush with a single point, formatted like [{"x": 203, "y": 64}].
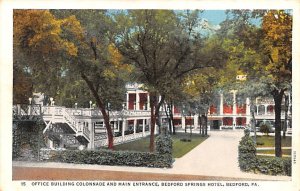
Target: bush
[
  {"x": 260, "y": 143},
  {"x": 249, "y": 162},
  {"x": 119, "y": 158},
  {"x": 264, "y": 128},
  {"x": 287, "y": 167},
  {"x": 247, "y": 153},
  {"x": 185, "y": 140},
  {"x": 164, "y": 144}
]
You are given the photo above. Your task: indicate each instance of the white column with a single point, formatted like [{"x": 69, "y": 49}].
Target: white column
[
  {"x": 115, "y": 125},
  {"x": 144, "y": 127},
  {"x": 221, "y": 104},
  {"x": 195, "y": 121},
  {"x": 183, "y": 122},
  {"x": 118, "y": 125},
  {"x": 134, "y": 126},
  {"x": 233, "y": 122},
  {"x": 127, "y": 100},
  {"x": 248, "y": 106},
  {"x": 29, "y": 109},
  {"x": 266, "y": 109},
  {"x": 234, "y": 102},
  {"x": 50, "y": 142},
  {"x": 137, "y": 101},
  {"x": 148, "y": 102},
  {"x": 91, "y": 144},
  {"x": 248, "y": 111}
]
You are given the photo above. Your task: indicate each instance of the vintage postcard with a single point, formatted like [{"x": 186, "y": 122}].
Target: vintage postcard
[{"x": 154, "y": 95}]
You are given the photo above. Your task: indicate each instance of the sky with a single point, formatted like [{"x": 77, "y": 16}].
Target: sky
[{"x": 214, "y": 17}]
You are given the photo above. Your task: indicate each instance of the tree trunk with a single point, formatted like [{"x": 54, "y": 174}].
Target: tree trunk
[
  {"x": 157, "y": 114},
  {"x": 168, "y": 111},
  {"x": 205, "y": 124},
  {"x": 108, "y": 128},
  {"x": 185, "y": 124},
  {"x": 200, "y": 123},
  {"x": 286, "y": 109},
  {"x": 101, "y": 106},
  {"x": 152, "y": 110},
  {"x": 277, "y": 96},
  {"x": 253, "y": 124},
  {"x": 172, "y": 118}
]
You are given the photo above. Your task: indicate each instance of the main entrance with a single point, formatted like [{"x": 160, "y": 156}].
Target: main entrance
[{"x": 215, "y": 124}]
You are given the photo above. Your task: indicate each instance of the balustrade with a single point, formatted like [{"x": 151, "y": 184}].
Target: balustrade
[{"x": 25, "y": 109}]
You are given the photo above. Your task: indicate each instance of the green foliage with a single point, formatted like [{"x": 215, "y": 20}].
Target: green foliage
[
  {"x": 287, "y": 167},
  {"x": 248, "y": 161},
  {"x": 118, "y": 158},
  {"x": 247, "y": 153},
  {"x": 185, "y": 140},
  {"x": 28, "y": 134},
  {"x": 274, "y": 166},
  {"x": 179, "y": 148},
  {"x": 269, "y": 141},
  {"x": 265, "y": 128},
  {"x": 164, "y": 144}
]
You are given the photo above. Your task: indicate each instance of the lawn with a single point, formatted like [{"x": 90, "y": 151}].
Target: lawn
[
  {"x": 284, "y": 151},
  {"x": 269, "y": 141},
  {"x": 269, "y": 157},
  {"x": 180, "y": 148}
]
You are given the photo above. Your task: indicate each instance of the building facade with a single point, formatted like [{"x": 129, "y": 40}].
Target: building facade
[{"x": 84, "y": 127}]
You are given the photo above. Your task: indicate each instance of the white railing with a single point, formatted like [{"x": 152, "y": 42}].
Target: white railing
[
  {"x": 119, "y": 140},
  {"x": 226, "y": 127},
  {"x": 86, "y": 132},
  {"x": 59, "y": 110},
  {"x": 70, "y": 120},
  {"x": 25, "y": 109}
]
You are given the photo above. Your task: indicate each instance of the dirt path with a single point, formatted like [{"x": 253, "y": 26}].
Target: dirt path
[{"x": 34, "y": 173}]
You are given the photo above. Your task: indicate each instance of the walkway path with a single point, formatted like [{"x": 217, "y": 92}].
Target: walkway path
[{"x": 216, "y": 156}]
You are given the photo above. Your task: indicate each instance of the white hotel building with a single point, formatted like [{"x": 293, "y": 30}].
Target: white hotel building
[{"x": 72, "y": 127}]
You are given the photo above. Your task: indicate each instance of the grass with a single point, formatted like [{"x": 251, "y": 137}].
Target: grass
[
  {"x": 284, "y": 151},
  {"x": 269, "y": 157},
  {"x": 269, "y": 141},
  {"x": 180, "y": 148}
]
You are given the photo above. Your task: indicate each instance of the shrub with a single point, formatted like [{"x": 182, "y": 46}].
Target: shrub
[
  {"x": 164, "y": 144},
  {"x": 119, "y": 158},
  {"x": 185, "y": 140},
  {"x": 287, "y": 167},
  {"x": 249, "y": 162},
  {"x": 247, "y": 153},
  {"x": 264, "y": 128},
  {"x": 260, "y": 143}
]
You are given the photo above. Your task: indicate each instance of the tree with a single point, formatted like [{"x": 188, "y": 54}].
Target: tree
[
  {"x": 271, "y": 49},
  {"x": 70, "y": 44},
  {"x": 22, "y": 86},
  {"x": 277, "y": 27},
  {"x": 164, "y": 46}
]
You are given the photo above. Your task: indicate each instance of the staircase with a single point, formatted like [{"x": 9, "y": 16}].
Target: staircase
[
  {"x": 76, "y": 126},
  {"x": 61, "y": 115}
]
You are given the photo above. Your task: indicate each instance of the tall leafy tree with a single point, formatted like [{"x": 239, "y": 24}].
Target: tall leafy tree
[
  {"x": 66, "y": 45},
  {"x": 164, "y": 46},
  {"x": 270, "y": 47}
]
